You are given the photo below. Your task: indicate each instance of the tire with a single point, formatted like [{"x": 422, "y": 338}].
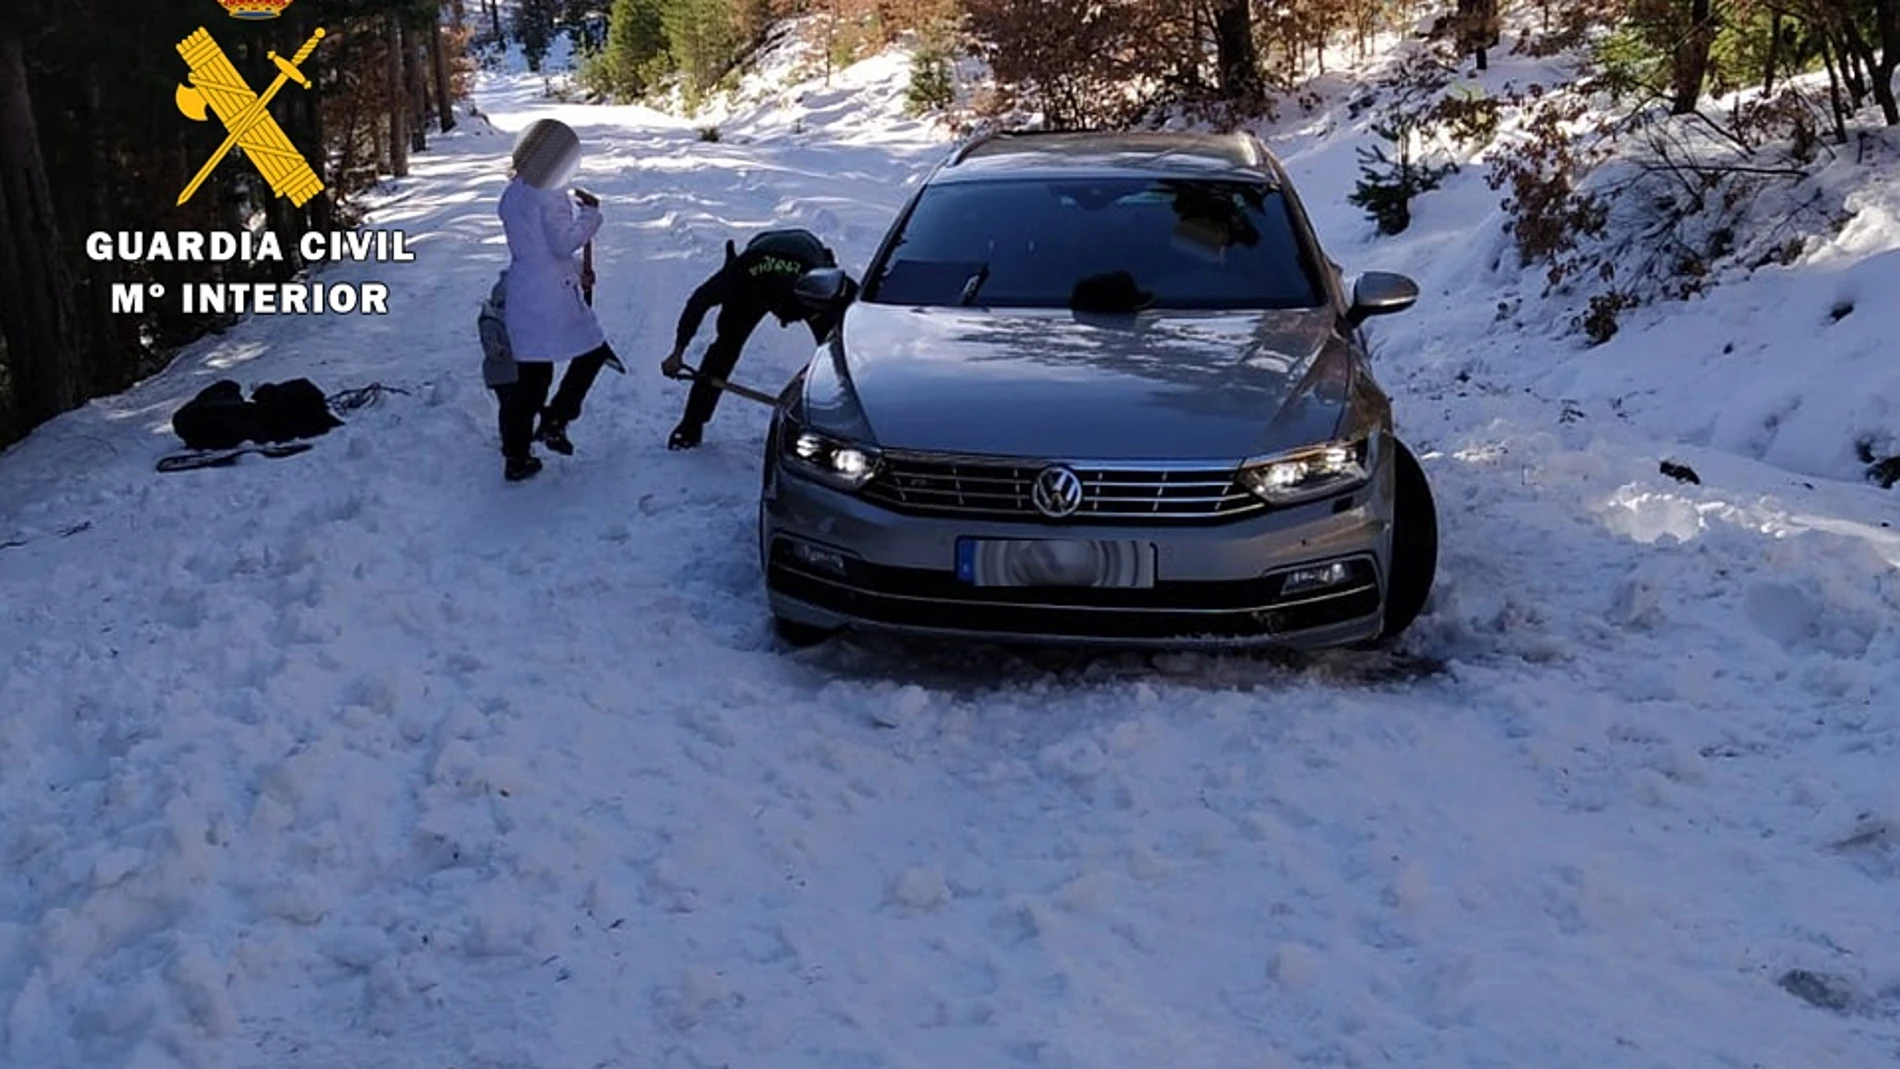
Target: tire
[
  {"x": 797, "y": 635},
  {"x": 1414, "y": 562},
  {"x": 765, "y": 490}
]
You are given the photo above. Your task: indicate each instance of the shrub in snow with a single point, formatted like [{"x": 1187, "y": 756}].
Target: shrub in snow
[
  {"x": 1549, "y": 215},
  {"x": 1469, "y": 115},
  {"x": 932, "y": 86},
  {"x": 1416, "y": 163},
  {"x": 1599, "y": 320},
  {"x": 1624, "y": 208},
  {"x": 1386, "y": 183},
  {"x": 1564, "y": 30},
  {"x": 1882, "y": 460}
]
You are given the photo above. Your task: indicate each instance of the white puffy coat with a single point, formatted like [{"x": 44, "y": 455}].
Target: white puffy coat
[{"x": 547, "y": 317}]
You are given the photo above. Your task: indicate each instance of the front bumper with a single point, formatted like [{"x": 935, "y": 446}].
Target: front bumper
[{"x": 1216, "y": 585}]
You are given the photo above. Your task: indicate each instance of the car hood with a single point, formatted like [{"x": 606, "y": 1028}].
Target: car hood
[{"x": 1059, "y": 384}]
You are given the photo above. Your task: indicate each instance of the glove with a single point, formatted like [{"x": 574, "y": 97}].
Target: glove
[
  {"x": 673, "y": 365},
  {"x": 586, "y": 198}
]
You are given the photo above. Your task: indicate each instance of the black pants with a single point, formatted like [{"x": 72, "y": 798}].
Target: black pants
[
  {"x": 527, "y": 397},
  {"x": 735, "y": 325}
]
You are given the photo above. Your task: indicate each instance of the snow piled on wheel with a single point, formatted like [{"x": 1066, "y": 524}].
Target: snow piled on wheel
[{"x": 364, "y": 758}]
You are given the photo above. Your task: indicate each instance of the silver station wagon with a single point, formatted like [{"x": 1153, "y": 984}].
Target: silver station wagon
[{"x": 1099, "y": 388}]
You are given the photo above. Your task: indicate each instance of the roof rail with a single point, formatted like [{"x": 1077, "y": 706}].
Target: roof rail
[
  {"x": 997, "y": 133},
  {"x": 971, "y": 145},
  {"x": 1254, "y": 149}
]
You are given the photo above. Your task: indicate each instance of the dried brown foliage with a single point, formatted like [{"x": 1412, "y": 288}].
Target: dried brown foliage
[
  {"x": 1080, "y": 62},
  {"x": 1550, "y": 215}
]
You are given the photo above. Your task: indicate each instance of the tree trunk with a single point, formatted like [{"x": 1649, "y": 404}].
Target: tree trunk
[
  {"x": 831, "y": 35},
  {"x": 36, "y": 310},
  {"x": 1478, "y": 29},
  {"x": 1851, "y": 51},
  {"x": 417, "y": 78},
  {"x": 1237, "y": 60},
  {"x": 1690, "y": 64},
  {"x": 307, "y": 112},
  {"x": 396, "y": 101},
  {"x": 494, "y": 13},
  {"x": 1883, "y": 87},
  {"x": 1887, "y": 28},
  {"x": 93, "y": 172},
  {"x": 1774, "y": 53},
  {"x": 438, "y": 61},
  {"x": 352, "y": 126},
  {"x": 1835, "y": 103}
]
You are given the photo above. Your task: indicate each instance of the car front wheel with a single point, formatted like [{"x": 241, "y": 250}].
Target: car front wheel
[{"x": 1414, "y": 545}]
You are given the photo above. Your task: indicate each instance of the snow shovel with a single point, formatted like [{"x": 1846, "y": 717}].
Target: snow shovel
[
  {"x": 587, "y": 294},
  {"x": 687, "y": 371},
  {"x": 224, "y": 458}
]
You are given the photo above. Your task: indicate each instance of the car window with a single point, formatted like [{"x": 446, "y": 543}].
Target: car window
[{"x": 1101, "y": 243}]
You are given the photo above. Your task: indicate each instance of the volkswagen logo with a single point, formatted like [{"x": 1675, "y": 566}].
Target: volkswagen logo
[{"x": 1057, "y": 492}]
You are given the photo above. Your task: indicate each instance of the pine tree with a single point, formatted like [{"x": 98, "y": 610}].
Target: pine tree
[
  {"x": 636, "y": 55},
  {"x": 932, "y": 81},
  {"x": 702, "y": 37},
  {"x": 534, "y": 28},
  {"x": 586, "y": 22},
  {"x": 1386, "y": 185}
]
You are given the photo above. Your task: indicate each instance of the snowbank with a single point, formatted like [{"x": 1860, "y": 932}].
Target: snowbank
[{"x": 1782, "y": 363}]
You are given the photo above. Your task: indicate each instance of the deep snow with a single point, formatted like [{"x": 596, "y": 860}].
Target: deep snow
[{"x": 364, "y": 758}]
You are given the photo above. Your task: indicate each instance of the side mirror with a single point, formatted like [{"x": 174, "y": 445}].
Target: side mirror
[
  {"x": 821, "y": 287},
  {"x": 1380, "y": 293}
]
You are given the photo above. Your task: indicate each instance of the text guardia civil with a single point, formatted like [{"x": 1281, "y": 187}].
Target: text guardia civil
[{"x": 264, "y": 298}]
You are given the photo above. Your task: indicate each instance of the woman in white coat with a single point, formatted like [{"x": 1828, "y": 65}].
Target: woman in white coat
[{"x": 548, "y": 319}]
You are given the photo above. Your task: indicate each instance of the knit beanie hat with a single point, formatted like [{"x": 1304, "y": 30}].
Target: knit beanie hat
[{"x": 547, "y": 153}]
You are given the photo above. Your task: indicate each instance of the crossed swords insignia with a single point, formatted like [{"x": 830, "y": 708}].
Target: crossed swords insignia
[{"x": 214, "y": 81}]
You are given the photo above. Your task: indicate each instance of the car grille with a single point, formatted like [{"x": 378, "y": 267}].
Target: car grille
[{"x": 992, "y": 488}]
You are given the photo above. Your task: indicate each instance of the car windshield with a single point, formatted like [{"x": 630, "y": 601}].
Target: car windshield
[{"x": 1113, "y": 244}]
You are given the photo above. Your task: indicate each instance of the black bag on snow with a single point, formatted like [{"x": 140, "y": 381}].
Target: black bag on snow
[
  {"x": 218, "y": 418},
  {"x": 294, "y": 409}
]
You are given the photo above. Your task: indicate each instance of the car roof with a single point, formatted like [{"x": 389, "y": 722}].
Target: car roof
[{"x": 1035, "y": 154}]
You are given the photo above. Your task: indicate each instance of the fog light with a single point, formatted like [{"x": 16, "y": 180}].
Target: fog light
[
  {"x": 824, "y": 560},
  {"x": 1316, "y": 578},
  {"x": 851, "y": 463}
]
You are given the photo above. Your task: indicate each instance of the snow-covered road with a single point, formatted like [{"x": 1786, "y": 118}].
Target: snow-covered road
[{"x": 364, "y": 758}]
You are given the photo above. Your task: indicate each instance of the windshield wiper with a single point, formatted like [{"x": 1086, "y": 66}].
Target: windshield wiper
[{"x": 971, "y": 287}]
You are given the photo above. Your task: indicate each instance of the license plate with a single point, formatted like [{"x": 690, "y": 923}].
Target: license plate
[{"x": 1056, "y": 562}]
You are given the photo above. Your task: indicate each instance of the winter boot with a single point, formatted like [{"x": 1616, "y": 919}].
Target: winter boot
[
  {"x": 553, "y": 434},
  {"x": 685, "y": 436},
  {"x": 519, "y": 468}
]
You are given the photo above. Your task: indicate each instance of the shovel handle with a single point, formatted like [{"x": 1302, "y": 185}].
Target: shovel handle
[{"x": 747, "y": 392}]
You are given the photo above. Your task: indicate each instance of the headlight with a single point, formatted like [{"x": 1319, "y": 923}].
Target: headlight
[
  {"x": 1307, "y": 474},
  {"x": 832, "y": 461}
]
